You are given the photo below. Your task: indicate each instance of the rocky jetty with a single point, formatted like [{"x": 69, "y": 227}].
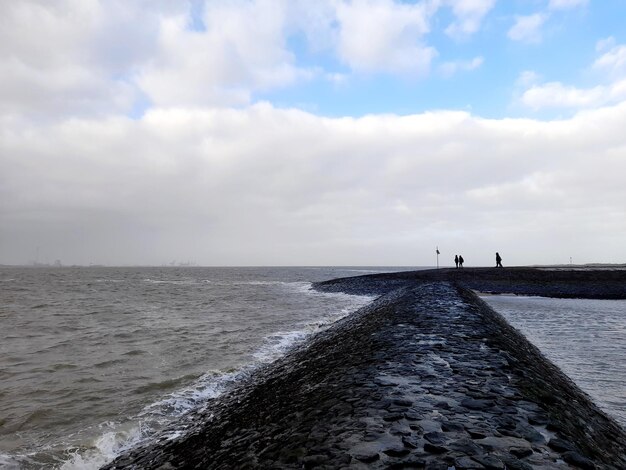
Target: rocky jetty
[{"x": 427, "y": 376}]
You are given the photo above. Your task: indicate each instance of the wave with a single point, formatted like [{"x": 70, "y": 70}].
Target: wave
[{"x": 194, "y": 393}]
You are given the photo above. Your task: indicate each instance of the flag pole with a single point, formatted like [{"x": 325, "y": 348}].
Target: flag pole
[{"x": 437, "y": 250}]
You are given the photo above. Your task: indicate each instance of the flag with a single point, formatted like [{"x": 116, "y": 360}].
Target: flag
[{"x": 437, "y": 250}]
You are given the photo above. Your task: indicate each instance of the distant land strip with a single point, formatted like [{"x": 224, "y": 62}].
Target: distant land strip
[{"x": 427, "y": 376}]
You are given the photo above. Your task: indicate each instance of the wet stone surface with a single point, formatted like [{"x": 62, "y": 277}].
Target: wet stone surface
[{"x": 426, "y": 377}]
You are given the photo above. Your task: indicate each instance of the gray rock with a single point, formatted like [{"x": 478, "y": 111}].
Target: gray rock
[
  {"x": 476, "y": 404},
  {"x": 452, "y": 427},
  {"x": 560, "y": 445},
  {"x": 435, "y": 437},
  {"x": 311, "y": 461},
  {"x": 465, "y": 463},
  {"x": 574, "y": 458},
  {"x": 489, "y": 461},
  {"x": 397, "y": 451},
  {"x": 367, "y": 457},
  {"x": 434, "y": 449},
  {"x": 521, "y": 452}
]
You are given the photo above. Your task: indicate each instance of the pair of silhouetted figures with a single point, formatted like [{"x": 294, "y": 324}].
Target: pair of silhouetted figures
[{"x": 458, "y": 260}]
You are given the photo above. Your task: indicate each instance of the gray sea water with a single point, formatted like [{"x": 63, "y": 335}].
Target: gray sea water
[
  {"x": 95, "y": 360},
  {"x": 585, "y": 338}
]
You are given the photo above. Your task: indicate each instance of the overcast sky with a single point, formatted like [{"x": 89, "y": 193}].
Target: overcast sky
[{"x": 326, "y": 132}]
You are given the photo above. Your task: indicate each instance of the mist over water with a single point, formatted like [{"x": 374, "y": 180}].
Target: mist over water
[
  {"x": 586, "y": 338},
  {"x": 93, "y": 360}
]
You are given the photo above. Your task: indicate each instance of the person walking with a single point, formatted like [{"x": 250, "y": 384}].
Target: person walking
[
  {"x": 461, "y": 261},
  {"x": 498, "y": 260},
  {"x": 456, "y": 261}
]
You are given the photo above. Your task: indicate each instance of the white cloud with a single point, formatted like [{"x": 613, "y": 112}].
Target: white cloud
[
  {"x": 566, "y": 4},
  {"x": 604, "y": 44},
  {"x": 102, "y": 58},
  {"x": 557, "y": 95},
  {"x": 50, "y": 61},
  {"x": 612, "y": 89},
  {"x": 242, "y": 49},
  {"x": 527, "y": 28},
  {"x": 267, "y": 186},
  {"x": 528, "y": 78},
  {"x": 449, "y": 69},
  {"x": 381, "y": 35},
  {"x": 613, "y": 61},
  {"x": 469, "y": 15}
]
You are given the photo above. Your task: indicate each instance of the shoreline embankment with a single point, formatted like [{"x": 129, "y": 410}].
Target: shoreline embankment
[{"x": 427, "y": 376}]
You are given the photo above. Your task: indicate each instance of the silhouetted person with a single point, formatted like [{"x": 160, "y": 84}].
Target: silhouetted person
[
  {"x": 498, "y": 260},
  {"x": 461, "y": 260},
  {"x": 456, "y": 260}
]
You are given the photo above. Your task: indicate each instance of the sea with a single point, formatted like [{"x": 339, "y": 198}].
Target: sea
[
  {"x": 97, "y": 360},
  {"x": 585, "y": 338}
]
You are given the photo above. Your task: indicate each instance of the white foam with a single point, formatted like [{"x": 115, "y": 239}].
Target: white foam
[
  {"x": 278, "y": 344},
  {"x": 8, "y": 462},
  {"x": 104, "y": 449}
]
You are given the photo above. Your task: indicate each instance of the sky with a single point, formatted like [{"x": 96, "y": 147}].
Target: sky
[{"x": 327, "y": 132}]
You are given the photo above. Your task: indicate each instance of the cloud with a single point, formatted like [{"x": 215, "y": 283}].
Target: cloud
[
  {"x": 527, "y": 78},
  {"x": 262, "y": 185},
  {"x": 241, "y": 49},
  {"x": 566, "y": 4},
  {"x": 112, "y": 57},
  {"x": 82, "y": 58},
  {"x": 46, "y": 66},
  {"x": 527, "y": 28},
  {"x": 558, "y": 95},
  {"x": 468, "y": 16},
  {"x": 384, "y": 36},
  {"x": 611, "y": 66},
  {"x": 613, "y": 61},
  {"x": 449, "y": 69}
]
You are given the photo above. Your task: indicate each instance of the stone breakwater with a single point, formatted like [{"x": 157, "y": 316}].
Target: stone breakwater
[{"x": 427, "y": 376}]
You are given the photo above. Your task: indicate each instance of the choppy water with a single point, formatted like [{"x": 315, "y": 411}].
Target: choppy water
[
  {"x": 93, "y": 360},
  {"x": 585, "y": 338}
]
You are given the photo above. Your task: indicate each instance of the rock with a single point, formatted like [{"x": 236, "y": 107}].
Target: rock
[
  {"x": 465, "y": 463},
  {"x": 489, "y": 461},
  {"x": 367, "y": 457},
  {"x": 435, "y": 437},
  {"x": 393, "y": 417},
  {"x": 412, "y": 416},
  {"x": 396, "y": 451},
  {"x": 402, "y": 402},
  {"x": 410, "y": 442},
  {"x": 514, "y": 464},
  {"x": 530, "y": 434},
  {"x": 521, "y": 452},
  {"x": 434, "y": 449},
  {"x": 476, "y": 433},
  {"x": 408, "y": 463},
  {"x": 574, "y": 458},
  {"x": 311, "y": 461},
  {"x": 560, "y": 445},
  {"x": 452, "y": 427},
  {"x": 476, "y": 404},
  {"x": 466, "y": 446}
]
